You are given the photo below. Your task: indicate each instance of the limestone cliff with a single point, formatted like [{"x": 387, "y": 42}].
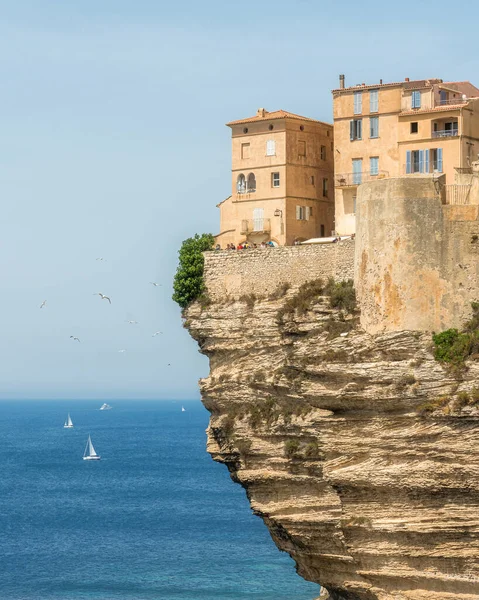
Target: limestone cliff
[{"x": 367, "y": 480}]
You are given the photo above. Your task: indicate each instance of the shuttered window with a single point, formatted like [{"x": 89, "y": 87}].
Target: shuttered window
[
  {"x": 427, "y": 168},
  {"x": 374, "y": 165},
  {"x": 358, "y": 103},
  {"x": 439, "y": 160},
  {"x": 374, "y": 127},
  {"x": 373, "y": 101},
  {"x": 356, "y": 129},
  {"x": 416, "y": 100},
  {"x": 270, "y": 148}
]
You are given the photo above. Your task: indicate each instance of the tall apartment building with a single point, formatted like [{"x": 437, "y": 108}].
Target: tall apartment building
[
  {"x": 396, "y": 129},
  {"x": 282, "y": 180}
]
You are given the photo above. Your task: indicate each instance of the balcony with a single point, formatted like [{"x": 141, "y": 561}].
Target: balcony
[
  {"x": 249, "y": 226},
  {"x": 445, "y": 133},
  {"x": 354, "y": 179}
]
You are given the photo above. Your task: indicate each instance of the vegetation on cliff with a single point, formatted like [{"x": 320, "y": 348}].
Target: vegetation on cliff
[
  {"x": 453, "y": 346},
  {"x": 188, "y": 284}
]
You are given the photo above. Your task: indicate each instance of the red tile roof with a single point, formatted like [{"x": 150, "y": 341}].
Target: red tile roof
[
  {"x": 277, "y": 114},
  {"x": 416, "y": 84}
]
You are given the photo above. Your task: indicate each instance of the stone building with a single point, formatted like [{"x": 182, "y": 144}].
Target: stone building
[
  {"x": 282, "y": 180},
  {"x": 400, "y": 129}
]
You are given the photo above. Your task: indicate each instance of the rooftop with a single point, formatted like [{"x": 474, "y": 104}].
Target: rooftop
[
  {"x": 263, "y": 115},
  {"x": 407, "y": 84}
]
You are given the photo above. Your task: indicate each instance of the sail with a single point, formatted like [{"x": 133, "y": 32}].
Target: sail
[
  {"x": 91, "y": 450},
  {"x": 69, "y": 422}
]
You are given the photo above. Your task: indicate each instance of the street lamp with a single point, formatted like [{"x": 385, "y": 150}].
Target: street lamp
[{"x": 278, "y": 212}]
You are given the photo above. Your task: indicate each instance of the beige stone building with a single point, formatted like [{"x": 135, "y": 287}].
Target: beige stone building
[
  {"x": 282, "y": 180},
  {"x": 400, "y": 129}
]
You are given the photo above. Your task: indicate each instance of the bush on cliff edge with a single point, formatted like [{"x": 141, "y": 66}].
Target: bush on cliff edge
[
  {"x": 453, "y": 346},
  {"x": 188, "y": 283}
]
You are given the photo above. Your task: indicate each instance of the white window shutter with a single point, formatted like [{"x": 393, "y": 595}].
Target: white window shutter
[
  {"x": 298, "y": 213},
  {"x": 307, "y": 213}
]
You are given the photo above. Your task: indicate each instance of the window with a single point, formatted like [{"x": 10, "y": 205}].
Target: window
[
  {"x": 271, "y": 127},
  {"x": 241, "y": 184},
  {"x": 442, "y": 97},
  {"x": 323, "y": 152},
  {"x": 357, "y": 170},
  {"x": 270, "y": 148},
  {"x": 301, "y": 148},
  {"x": 415, "y": 161},
  {"x": 303, "y": 213},
  {"x": 312, "y": 179},
  {"x": 325, "y": 188},
  {"x": 373, "y": 101},
  {"x": 416, "y": 100},
  {"x": 245, "y": 130},
  {"x": 244, "y": 150},
  {"x": 356, "y": 129},
  {"x": 275, "y": 179},
  {"x": 251, "y": 183},
  {"x": 358, "y": 103},
  {"x": 322, "y": 230},
  {"x": 414, "y": 127},
  {"x": 436, "y": 159},
  {"x": 374, "y": 165},
  {"x": 374, "y": 127}
]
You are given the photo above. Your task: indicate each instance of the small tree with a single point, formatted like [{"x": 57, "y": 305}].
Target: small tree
[{"x": 188, "y": 283}]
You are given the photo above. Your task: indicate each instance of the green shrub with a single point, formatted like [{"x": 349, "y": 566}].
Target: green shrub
[
  {"x": 291, "y": 448},
  {"x": 311, "y": 450},
  {"x": 405, "y": 380},
  {"x": 188, "y": 283},
  {"x": 280, "y": 291},
  {"x": 474, "y": 399},
  {"x": 453, "y": 346},
  {"x": 341, "y": 295}
]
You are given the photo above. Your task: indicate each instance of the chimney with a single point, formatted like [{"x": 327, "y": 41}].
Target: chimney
[
  {"x": 341, "y": 82},
  {"x": 406, "y": 79},
  {"x": 261, "y": 112},
  {"x": 380, "y": 82}
]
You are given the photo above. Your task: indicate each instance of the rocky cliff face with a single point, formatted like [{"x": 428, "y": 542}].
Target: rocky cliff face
[{"x": 359, "y": 452}]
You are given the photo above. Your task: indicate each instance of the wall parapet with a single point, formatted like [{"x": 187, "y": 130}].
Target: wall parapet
[{"x": 260, "y": 271}]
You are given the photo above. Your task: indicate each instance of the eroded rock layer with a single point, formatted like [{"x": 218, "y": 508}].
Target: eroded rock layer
[{"x": 360, "y": 473}]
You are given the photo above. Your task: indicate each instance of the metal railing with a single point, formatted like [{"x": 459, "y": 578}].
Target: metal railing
[
  {"x": 453, "y": 101},
  {"x": 457, "y": 193},
  {"x": 442, "y": 133},
  {"x": 352, "y": 179},
  {"x": 255, "y": 226}
]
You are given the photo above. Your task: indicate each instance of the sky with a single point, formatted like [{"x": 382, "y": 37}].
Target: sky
[{"x": 113, "y": 145}]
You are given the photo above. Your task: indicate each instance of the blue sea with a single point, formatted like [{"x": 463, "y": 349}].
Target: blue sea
[{"x": 156, "y": 518}]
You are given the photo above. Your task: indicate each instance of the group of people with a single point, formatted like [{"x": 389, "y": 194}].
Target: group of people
[{"x": 246, "y": 246}]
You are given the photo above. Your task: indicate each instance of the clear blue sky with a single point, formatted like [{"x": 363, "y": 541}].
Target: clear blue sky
[{"x": 113, "y": 144}]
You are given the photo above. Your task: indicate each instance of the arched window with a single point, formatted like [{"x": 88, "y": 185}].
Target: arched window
[
  {"x": 270, "y": 148},
  {"x": 251, "y": 183},
  {"x": 241, "y": 184}
]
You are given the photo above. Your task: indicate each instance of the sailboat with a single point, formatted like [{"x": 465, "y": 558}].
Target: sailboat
[
  {"x": 90, "y": 453},
  {"x": 183, "y": 409},
  {"x": 105, "y": 406},
  {"x": 68, "y": 423}
]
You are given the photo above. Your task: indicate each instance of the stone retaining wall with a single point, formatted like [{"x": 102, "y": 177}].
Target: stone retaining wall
[{"x": 261, "y": 271}]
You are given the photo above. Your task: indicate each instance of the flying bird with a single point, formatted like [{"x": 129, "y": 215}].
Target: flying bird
[
  {"x": 133, "y": 322},
  {"x": 43, "y": 304},
  {"x": 100, "y": 258},
  {"x": 74, "y": 338},
  {"x": 122, "y": 350},
  {"x": 156, "y": 333},
  {"x": 154, "y": 283},
  {"x": 103, "y": 297}
]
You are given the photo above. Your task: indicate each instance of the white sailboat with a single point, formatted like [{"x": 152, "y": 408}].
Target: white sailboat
[
  {"x": 105, "y": 406},
  {"x": 68, "y": 423},
  {"x": 90, "y": 453},
  {"x": 183, "y": 409}
]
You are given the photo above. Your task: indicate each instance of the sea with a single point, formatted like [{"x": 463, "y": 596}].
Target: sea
[{"x": 156, "y": 518}]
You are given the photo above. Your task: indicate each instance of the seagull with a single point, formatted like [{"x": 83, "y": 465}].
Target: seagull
[
  {"x": 43, "y": 304},
  {"x": 103, "y": 297},
  {"x": 74, "y": 338},
  {"x": 133, "y": 322},
  {"x": 156, "y": 333},
  {"x": 100, "y": 258},
  {"x": 122, "y": 350},
  {"x": 155, "y": 284}
]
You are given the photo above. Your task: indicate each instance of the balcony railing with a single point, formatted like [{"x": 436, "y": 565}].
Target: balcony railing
[
  {"x": 443, "y": 133},
  {"x": 452, "y": 102},
  {"x": 352, "y": 179},
  {"x": 255, "y": 226},
  {"x": 457, "y": 194}
]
